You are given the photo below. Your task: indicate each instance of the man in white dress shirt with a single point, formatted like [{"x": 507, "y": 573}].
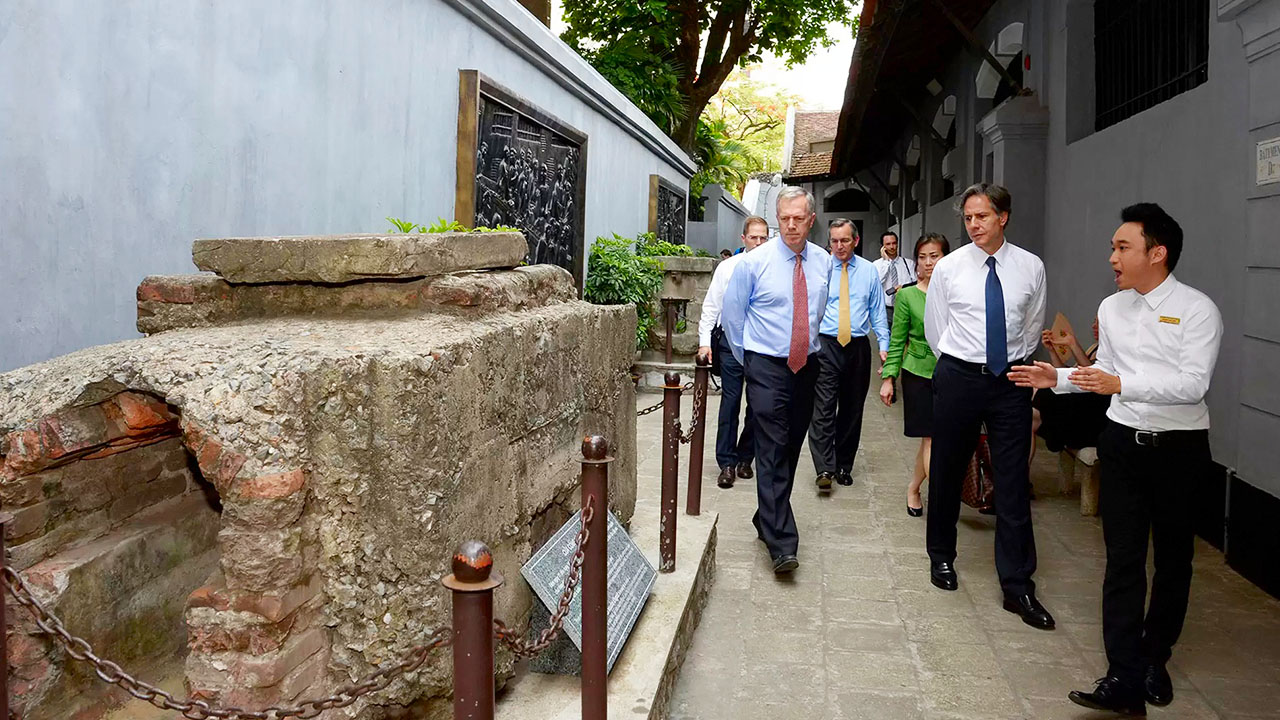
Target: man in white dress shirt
[
  {"x": 733, "y": 453},
  {"x": 895, "y": 271},
  {"x": 983, "y": 314},
  {"x": 1157, "y": 344}
]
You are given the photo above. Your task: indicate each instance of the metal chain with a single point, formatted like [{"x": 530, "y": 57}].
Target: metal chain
[
  {"x": 109, "y": 672},
  {"x": 658, "y": 406},
  {"x": 525, "y": 649},
  {"x": 699, "y": 398}
]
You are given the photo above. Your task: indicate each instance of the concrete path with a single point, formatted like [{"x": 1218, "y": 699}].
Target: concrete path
[{"x": 859, "y": 632}]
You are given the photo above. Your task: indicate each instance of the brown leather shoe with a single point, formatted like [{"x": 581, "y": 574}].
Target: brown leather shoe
[
  {"x": 726, "y": 478},
  {"x": 824, "y": 481},
  {"x": 744, "y": 470}
]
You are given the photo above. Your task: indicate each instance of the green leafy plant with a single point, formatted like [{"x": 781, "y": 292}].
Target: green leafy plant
[
  {"x": 702, "y": 253},
  {"x": 442, "y": 225},
  {"x": 616, "y": 275},
  {"x": 401, "y": 225},
  {"x": 648, "y": 245}
]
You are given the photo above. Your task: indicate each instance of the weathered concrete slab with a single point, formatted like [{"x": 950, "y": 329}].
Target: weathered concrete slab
[
  {"x": 169, "y": 302},
  {"x": 344, "y": 258},
  {"x": 641, "y": 683}
]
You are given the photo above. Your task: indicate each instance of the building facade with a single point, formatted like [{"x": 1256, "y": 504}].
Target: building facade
[{"x": 1081, "y": 107}]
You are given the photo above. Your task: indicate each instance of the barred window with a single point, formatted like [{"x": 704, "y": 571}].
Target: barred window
[{"x": 1146, "y": 52}]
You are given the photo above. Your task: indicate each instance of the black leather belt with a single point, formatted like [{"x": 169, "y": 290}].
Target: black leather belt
[
  {"x": 1155, "y": 439},
  {"x": 981, "y": 367}
]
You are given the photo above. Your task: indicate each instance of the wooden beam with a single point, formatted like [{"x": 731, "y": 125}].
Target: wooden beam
[
  {"x": 976, "y": 45},
  {"x": 920, "y": 120}
]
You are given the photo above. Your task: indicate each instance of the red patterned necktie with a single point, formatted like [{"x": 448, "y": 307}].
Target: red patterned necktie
[{"x": 799, "y": 320}]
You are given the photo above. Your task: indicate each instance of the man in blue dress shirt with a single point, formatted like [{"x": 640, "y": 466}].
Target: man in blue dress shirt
[
  {"x": 855, "y": 306},
  {"x": 771, "y": 315}
]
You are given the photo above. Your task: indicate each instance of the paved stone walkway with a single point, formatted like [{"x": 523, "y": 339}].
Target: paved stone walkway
[{"x": 859, "y": 632}]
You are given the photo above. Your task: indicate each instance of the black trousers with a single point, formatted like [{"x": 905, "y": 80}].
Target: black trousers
[
  {"x": 783, "y": 404},
  {"x": 730, "y": 448},
  {"x": 1147, "y": 492},
  {"x": 964, "y": 398},
  {"x": 844, "y": 374}
]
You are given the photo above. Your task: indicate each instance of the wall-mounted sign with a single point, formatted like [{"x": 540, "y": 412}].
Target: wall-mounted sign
[
  {"x": 1269, "y": 161},
  {"x": 521, "y": 167}
]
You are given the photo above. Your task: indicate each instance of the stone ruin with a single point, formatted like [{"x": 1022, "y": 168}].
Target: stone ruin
[{"x": 270, "y": 484}]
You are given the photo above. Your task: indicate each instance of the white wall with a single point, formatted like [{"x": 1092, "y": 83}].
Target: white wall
[{"x": 129, "y": 128}]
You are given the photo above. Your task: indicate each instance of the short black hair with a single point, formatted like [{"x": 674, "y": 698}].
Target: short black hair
[
  {"x": 933, "y": 239},
  {"x": 1158, "y": 227},
  {"x": 886, "y": 234}
]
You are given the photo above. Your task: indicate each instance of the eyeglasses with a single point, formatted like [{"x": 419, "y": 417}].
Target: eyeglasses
[{"x": 758, "y": 238}]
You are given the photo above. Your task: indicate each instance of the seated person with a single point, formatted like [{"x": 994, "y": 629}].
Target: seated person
[{"x": 1069, "y": 421}]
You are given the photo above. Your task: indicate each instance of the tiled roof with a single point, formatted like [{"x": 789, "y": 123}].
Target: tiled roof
[
  {"x": 810, "y": 164},
  {"x": 814, "y": 127}
]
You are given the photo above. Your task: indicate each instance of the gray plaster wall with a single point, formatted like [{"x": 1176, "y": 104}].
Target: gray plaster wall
[
  {"x": 129, "y": 128},
  {"x": 1188, "y": 155},
  {"x": 721, "y": 226}
]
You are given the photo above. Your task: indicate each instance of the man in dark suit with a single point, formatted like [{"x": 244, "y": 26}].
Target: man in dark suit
[
  {"x": 771, "y": 315},
  {"x": 855, "y": 306},
  {"x": 983, "y": 315}
]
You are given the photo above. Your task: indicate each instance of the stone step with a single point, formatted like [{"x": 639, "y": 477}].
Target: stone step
[{"x": 645, "y": 673}]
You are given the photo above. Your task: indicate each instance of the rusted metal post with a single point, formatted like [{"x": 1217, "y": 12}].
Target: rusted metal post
[
  {"x": 473, "y": 582},
  {"x": 4, "y": 624},
  {"x": 693, "y": 502},
  {"x": 595, "y": 580},
  {"x": 671, "y": 325},
  {"x": 670, "y": 467}
]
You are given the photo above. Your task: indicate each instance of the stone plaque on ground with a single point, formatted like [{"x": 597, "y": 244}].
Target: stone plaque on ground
[{"x": 631, "y": 579}]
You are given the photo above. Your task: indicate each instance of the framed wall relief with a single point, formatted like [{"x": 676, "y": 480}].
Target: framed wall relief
[
  {"x": 521, "y": 167},
  {"x": 667, "y": 210}
]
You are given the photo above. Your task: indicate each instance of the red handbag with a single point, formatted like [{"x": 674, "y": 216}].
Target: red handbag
[{"x": 979, "y": 489}]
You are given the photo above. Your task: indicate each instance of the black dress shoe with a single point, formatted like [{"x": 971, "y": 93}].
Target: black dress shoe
[
  {"x": 1032, "y": 612},
  {"x": 844, "y": 478},
  {"x": 943, "y": 576},
  {"x": 824, "y": 482},
  {"x": 915, "y": 512},
  {"x": 726, "y": 478},
  {"x": 1159, "y": 685},
  {"x": 744, "y": 470},
  {"x": 784, "y": 564},
  {"x": 1112, "y": 695}
]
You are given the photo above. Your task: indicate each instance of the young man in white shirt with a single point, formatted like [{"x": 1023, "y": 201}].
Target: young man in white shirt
[
  {"x": 984, "y": 312},
  {"x": 895, "y": 271},
  {"x": 1157, "y": 345},
  {"x": 733, "y": 453}
]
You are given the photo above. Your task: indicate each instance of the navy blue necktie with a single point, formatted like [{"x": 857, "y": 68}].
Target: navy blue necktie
[{"x": 997, "y": 340}]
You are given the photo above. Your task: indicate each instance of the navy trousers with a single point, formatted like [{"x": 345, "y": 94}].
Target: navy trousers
[
  {"x": 844, "y": 374},
  {"x": 783, "y": 404},
  {"x": 964, "y": 398},
  {"x": 731, "y": 448}
]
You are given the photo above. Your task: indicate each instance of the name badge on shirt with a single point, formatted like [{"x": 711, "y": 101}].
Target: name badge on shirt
[{"x": 1170, "y": 320}]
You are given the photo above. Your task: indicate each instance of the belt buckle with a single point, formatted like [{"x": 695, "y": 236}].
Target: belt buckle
[
  {"x": 1146, "y": 438},
  {"x": 982, "y": 369}
]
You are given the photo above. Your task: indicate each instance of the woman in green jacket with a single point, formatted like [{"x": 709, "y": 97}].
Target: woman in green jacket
[{"x": 909, "y": 353}]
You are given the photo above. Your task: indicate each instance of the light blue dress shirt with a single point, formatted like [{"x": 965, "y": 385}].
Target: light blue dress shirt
[
  {"x": 757, "y": 309},
  {"x": 866, "y": 302}
]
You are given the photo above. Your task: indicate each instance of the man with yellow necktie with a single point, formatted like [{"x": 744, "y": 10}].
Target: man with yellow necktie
[{"x": 855, "y": 307}]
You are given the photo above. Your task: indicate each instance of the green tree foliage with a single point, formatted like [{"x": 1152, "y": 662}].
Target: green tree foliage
[
  {"x": 700, "y": 43},
  {"x": 754, "y": 115}
]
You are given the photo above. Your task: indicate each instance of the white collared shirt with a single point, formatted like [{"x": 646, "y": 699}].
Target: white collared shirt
[
  {"x": 906, "y": 274},
  {"x": 715, "y": 297},
  {"x": 1163, "y": 346},
  {"x": 955, "y": 314}
]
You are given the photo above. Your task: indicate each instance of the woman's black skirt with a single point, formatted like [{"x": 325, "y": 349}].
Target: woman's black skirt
[{"x": 917, "y": 402}]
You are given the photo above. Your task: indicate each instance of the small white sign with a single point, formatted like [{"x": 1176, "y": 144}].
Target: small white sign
[{"x": 1269, "y": 161}]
